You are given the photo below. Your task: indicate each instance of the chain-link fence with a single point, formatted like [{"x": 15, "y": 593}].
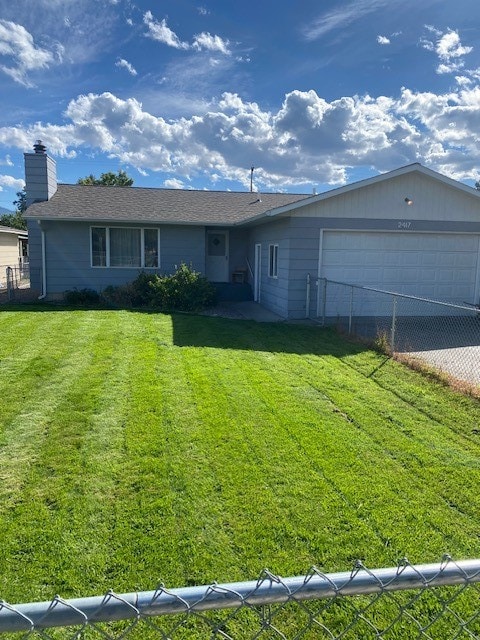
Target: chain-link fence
[
  {"x": 424, "y": 601},
  {"x": 442, "y": 336},
  {"x": 14, "y": 280}
]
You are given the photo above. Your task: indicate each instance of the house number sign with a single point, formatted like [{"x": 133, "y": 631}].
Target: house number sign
[{"x": 404, "y": 224}]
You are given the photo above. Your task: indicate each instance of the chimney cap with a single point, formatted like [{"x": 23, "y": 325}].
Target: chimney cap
[{"x": 39, "y": 147}]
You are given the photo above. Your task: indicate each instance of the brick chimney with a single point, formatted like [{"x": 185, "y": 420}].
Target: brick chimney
[{"x": 40, "y": 175}]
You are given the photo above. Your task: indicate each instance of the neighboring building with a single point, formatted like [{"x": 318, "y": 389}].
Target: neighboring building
[
  {"x": 411, "y": 230},
  {"x": 13, "y": 248}
]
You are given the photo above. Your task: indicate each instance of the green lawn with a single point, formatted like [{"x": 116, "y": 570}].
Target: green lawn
[{"x": 137, "y": 448}]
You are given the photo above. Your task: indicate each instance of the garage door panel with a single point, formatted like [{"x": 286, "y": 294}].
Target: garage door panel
[{"x": 435, "y": 266}]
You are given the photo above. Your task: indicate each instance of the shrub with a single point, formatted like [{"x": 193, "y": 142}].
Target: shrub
[
  {"x": 184, "y": 290},
  {"x": 120, "y": 296},
  {"x": 137, "y": 293},
  {"x": 81, "y": 297}
]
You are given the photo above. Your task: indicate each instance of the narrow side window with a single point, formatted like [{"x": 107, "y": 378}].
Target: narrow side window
[
  {"x": 273, "y": 261},
  {"x": 99, "y": 247}
]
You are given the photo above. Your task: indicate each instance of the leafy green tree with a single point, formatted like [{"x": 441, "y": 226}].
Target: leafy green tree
[
  {"x": 109, "y": 179},
  {"x": 21, "y": 201},
  {"x": 16, "y": 219}
]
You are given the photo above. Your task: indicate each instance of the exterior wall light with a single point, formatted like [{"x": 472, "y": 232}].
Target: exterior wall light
[{"x": 408, "y": 201}]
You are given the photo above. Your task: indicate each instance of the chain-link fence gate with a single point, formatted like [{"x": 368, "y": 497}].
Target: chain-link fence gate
[
  {"x": 436, "y": 601},
  {"x": 14, "y": 280},
  {"x": 442, "y": 336}
]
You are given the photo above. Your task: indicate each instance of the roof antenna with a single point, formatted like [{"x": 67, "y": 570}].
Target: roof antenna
[{"x": 252, "y": 169}]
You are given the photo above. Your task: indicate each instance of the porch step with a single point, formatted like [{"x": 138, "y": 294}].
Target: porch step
[{"x": 233, "y": 291}]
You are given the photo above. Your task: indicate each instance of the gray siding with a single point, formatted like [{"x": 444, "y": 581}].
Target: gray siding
[
  {"x": 274, "y": 292},
  {"x": 304, "y": 251},
  {"x": 68, "y": 256},
  {"x": 40, "y": 177},
  {"x": 35, "y": 255}
]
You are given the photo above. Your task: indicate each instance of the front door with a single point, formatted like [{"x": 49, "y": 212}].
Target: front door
[{"x": 217, "y": 256}]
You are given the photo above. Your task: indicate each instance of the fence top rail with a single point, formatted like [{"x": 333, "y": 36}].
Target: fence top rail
[
  {"x": 267, "y": 589},
  {"x": 472, "y": 309}
]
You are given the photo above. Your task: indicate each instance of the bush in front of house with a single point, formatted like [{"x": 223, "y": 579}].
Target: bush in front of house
[
  {"x": 81, "y": 297},
  {"x": 137, "y": 293},
  {"x": 184, "y": 290}
]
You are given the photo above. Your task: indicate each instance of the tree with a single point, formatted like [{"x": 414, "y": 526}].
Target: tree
[
  {"x": 109, "y": 179},
  {"x": 21, "y": 202},
  {"x": 16, "y": 219},
  {"x": 477, "y": 185}
]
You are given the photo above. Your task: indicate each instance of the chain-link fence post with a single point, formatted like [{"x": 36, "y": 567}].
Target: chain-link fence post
[
  {"x": 10, "y": 286},
  {"x": 324, "y": 300},
  {"x": 350, "y": 313},
  {"x": 394, "y": 320}
]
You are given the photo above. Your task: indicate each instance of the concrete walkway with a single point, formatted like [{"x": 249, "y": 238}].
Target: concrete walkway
[{"x": 244, "y": 311}]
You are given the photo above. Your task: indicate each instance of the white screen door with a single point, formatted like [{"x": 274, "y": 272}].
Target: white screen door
[{"x": 217, "y": 256}]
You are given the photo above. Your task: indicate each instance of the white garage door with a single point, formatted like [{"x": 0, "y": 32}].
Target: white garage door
[{"x": 429, "y": 265}]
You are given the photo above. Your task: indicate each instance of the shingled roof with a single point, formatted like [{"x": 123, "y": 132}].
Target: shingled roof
[{"x": 152, "y": 206}]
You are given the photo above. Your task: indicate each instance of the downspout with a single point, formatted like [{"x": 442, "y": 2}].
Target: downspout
[{"x": 44, "y": 269}]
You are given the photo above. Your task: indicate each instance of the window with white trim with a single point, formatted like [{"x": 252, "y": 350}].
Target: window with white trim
[
  {"x": 273, "y": 261},
  {"x": 125, "y": 247}
]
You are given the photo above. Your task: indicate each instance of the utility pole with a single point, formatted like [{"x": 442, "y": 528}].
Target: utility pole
[{"x": 252, "y": 169}]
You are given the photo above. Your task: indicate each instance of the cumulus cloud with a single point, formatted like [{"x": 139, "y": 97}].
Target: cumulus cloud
[
  {"x": 23, "y": 55},
  {"x": 123, "y": 64},
  {"x": 173, "y": 183},
  {"x": 308, "y": 139},
  {"x": 383, "y": 40},
  {"x": 448, "y": 48},
  {"x": 201, "y": 42},
  {"x": 210, "y": 43},
  {"x": 11, "y": 182}
]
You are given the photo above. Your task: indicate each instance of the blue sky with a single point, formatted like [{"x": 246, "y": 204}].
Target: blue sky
[{"x": 184, "y": 94}]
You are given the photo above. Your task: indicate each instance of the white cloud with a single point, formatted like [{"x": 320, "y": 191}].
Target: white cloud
[
  {"x": 307, "y": 140},
  {"x": 17, "y": 45},
  {"x": 11, "y": 182},
  {"x": 159, "y": 31},
  {"x": 463, "y": 81},
  {"x": 210, "y": 43},
  {"x": 7, "y": 162},
  {"x": 201, "y": 42},
  {"x": 341, "y": 17},
  {"x": 126, "y": 65},
  {"x": 448, "y": 48},
  {"x": 174, "y": 183},
  {"x": 383, "y": 40}
]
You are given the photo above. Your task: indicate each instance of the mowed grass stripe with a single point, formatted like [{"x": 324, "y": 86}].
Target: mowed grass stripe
[
  {"x": 275, "y": 476},
  {"x": 364, "y": 464},
  {"x": 424, "y": 448},
  {"x": 190, "y": 449},
  {"x": 51, "y": 369},
  {"x": 62, "y": 484},
  {"x": 418, "y": 468},
  {"x": 464, "y": 421}
]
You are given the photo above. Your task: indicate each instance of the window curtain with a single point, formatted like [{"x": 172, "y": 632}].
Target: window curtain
[{"x": 125, "y": 247}]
